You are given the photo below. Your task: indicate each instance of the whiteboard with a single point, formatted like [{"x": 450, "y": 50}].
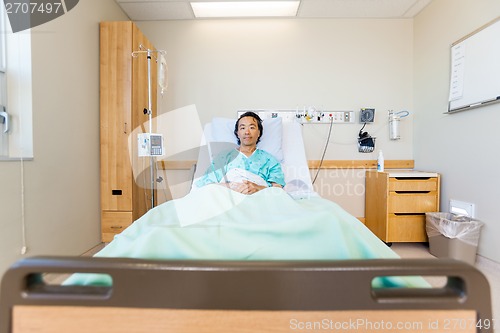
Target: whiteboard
[{"x": 475, "y": 69}]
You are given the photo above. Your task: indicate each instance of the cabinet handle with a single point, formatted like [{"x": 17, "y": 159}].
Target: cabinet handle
[
  {"x": 125, "y": 128},
  {"x": 116, "y": 227},
  {"x": 412, "y": 178}
]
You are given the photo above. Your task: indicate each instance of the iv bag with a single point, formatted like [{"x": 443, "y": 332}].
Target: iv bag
[{"x": 162, "y": 73}]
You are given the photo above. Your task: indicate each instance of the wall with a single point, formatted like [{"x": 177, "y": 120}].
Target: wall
[
  {"x": 460, "y": 146},
  {"x": 61, "y": 184},
  {"x": 226, "y": 65}
]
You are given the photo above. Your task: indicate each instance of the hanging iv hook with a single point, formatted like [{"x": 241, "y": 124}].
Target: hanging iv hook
[
  {"x": 160, "y": 60},
  {"x": 150, "y": 52}
]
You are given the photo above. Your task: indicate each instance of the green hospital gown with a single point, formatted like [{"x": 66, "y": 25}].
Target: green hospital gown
[{"x": 260, "y": 163}]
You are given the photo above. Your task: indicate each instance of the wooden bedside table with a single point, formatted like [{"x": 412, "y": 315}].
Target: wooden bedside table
[{"x": 396, "y": 202}]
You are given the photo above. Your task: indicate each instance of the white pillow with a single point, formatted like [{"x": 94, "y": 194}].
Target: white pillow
[{"x": 270, "y": 141}]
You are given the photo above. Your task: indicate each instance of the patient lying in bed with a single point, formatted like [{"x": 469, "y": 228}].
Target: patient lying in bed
[
  {"x": 224, "y": 223},
  {"x": 245, "y": 169}
]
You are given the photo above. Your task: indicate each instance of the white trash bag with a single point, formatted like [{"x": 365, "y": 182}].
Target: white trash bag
[{"x": 452, "y": 226}]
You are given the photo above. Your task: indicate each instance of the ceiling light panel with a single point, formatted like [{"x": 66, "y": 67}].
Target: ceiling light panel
[{"x": 245, "y": 9}]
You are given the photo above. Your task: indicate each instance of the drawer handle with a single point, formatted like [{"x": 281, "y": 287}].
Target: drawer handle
[
  {"x": 409, "y": 214},
  {"x": 410, "y": 192},
  {"x": 412, "y": 178},
  {"x": 116, "y": 227}
]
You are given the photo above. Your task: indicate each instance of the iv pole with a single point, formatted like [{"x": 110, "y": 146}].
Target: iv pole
[{"x": 149, "y": 112}]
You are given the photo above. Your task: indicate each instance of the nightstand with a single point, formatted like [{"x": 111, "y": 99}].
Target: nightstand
[{"x": 396, "y": 202}]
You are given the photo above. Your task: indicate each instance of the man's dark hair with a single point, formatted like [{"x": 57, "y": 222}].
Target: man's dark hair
[{"x": 259, "y": 124}]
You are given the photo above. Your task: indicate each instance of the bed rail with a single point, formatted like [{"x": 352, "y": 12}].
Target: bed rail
[{"x": 203, "y": 296}]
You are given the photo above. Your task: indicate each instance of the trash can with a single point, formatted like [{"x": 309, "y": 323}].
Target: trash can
[{"x": 453, "y": 236}]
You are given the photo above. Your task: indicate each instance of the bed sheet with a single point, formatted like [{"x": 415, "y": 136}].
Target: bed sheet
[{"x": 215, "y": 223}]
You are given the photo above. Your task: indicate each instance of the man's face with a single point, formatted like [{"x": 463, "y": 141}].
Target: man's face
[{"x": 248, "y": 131}]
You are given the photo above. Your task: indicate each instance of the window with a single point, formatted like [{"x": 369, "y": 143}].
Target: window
[
  {"x": 16, "y": 141},
  {"x": 3, "y": 88}
]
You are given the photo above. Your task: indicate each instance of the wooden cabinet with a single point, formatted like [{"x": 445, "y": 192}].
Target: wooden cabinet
[
  {"x": 396, "y": 203},
  {"x": 123, "y": 98}
]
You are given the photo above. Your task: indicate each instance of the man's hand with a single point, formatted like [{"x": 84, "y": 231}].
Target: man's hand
[{"x": 246, "y": 187}]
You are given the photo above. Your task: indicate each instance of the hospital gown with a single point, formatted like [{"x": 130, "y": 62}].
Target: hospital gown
[{"x": 260, "y": 163}]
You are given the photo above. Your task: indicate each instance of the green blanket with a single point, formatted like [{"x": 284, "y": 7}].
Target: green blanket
[{"x": 215, "y": 223}]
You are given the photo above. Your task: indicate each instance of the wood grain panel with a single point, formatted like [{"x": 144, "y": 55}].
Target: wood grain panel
[
  {"x": 54, "y": 319},
  {"x": 112, "y": 223},
  {"x": 413, "y": 185},
  {"x": 376, "y": 203},
  {"x": 124, "y": 94},
  {"x": 115, "y": 106},
  {"x": 361, "y": 164},
  {"x": 313, "y": 164},
  {"x": 412, "y": 202},
  {"x": 395, "y": 208},
  {"x": 406, "y": 228}
]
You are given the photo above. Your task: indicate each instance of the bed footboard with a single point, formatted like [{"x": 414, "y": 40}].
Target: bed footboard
[{"x": 256, "y": 296}]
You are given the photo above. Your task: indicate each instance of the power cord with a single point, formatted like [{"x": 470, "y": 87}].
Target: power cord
[
  {"x": 324, "y": 151},
  {"x": 366, "y": 144}
]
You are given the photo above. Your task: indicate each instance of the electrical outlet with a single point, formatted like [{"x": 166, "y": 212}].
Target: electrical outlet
[
  {"x": 462, "y": 208},
  {"x": 326, "y": 117}
]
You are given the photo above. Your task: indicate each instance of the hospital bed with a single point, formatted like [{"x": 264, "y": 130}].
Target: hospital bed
[
  {"x": 220, "y": 261},
  {"x": 215, "y": 223},
  {"x": 273, "y": 296}
]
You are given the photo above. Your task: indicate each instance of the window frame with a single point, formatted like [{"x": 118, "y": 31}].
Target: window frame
[{"x": 17, "y": 143}]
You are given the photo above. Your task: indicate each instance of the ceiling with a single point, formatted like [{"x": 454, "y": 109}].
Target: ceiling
[{"x": 160, "y": 10}]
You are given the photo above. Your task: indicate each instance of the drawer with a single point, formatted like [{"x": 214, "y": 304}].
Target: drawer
[
  {"x": 412, "y": 202},
  {"x": 406, "y": 228},
  {"x": 112, "y": 223},
  {"x": 413, "y": 184}
]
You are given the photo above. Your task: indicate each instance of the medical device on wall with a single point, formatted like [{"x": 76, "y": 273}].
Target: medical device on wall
[
  {"x": 312, "y": 115},
  {"x": 149, "y": 144},
  {"x": 394, "y": 119},
  {"x": 366, "y": 115},
  {"x": 366, "y": 143}
]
